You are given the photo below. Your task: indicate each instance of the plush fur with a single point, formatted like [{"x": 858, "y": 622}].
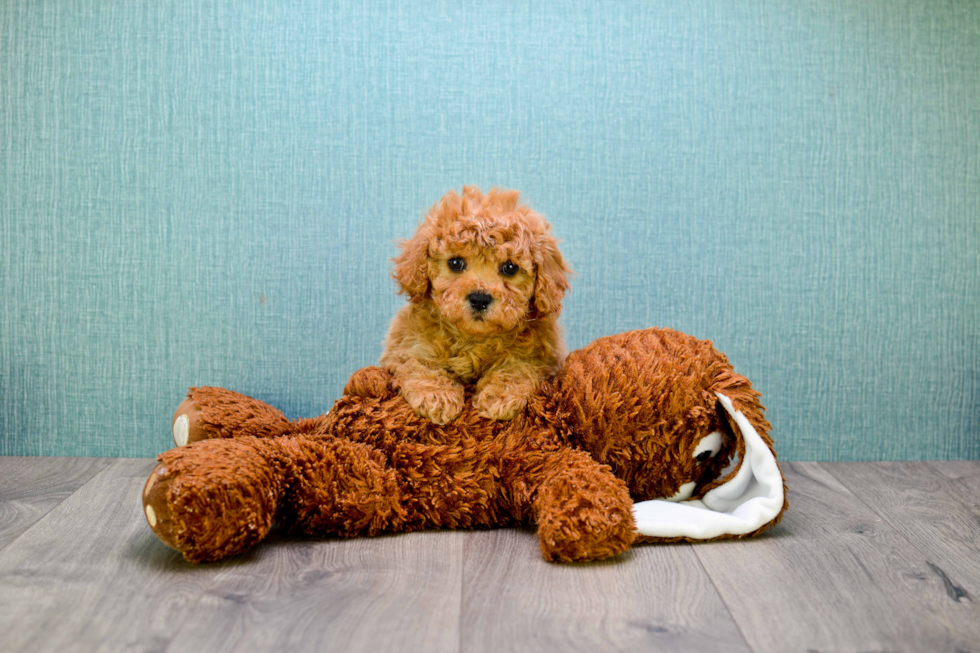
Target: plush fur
[
  {"x": 620, "y": 422},
  {"x": 489, "y": 326}
]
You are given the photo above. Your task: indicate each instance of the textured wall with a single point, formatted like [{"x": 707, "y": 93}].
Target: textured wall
[{"x": 210, "y": 194}]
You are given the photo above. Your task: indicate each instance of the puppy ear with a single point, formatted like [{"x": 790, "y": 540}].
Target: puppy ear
[
  {"x": 552, "y": 277},
  {"x": 412, "y": 267}
]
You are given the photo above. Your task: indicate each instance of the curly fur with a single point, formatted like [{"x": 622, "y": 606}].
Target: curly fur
[
  {"x": 439, "y": 346},
  {"x": 619, "y": 422}
]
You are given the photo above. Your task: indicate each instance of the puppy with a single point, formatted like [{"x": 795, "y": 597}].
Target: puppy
[{"x": 485, "y": 280}]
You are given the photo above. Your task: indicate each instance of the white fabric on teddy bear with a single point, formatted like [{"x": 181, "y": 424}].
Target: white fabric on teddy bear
[{"x": 750, "y": 500}]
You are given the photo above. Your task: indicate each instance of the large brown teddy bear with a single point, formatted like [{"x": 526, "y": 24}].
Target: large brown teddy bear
[{"x": 652, "y": 414}]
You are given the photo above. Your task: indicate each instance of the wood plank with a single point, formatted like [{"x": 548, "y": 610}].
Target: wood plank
[
  {"x": 835, "y": 576},
  {"x": 90, "y": 575},
  {"x": 31, "y": 486},
  {"x": 966, "y": 473},
  {"x": 869, "y": 557},
  {"x": 652, "y": 598},
  {"x": 937, "y": 514},
  {"x": 394, "y": 593}
]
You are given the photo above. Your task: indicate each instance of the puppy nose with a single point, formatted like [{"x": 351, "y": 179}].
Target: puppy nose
[{"x": 479, "y": 300}]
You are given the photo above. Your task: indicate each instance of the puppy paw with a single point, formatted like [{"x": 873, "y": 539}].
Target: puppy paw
[
  {"x": 494, "y": 402},
  {"x": 440, "y": 403}
]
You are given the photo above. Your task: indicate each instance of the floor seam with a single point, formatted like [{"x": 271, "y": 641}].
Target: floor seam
[
  {"x": 47, "y": 512},
  {"x": 721, "y": 598}
]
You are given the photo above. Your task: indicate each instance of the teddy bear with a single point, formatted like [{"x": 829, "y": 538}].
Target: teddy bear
[{"x": 645, "y": 436}]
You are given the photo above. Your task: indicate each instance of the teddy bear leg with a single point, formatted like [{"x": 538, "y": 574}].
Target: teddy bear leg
[
  {"x": 339, "y": 488},
  {"x": 350, "y": 488},
  {"x": 214, "y": 498},
  {"x": 584, "y": 512},
  {"x": 209, "y": 413},
  {"x": 217, "y": 498}
]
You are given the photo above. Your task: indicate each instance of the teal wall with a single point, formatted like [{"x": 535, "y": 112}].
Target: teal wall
[{"x": 208, "y": 193}]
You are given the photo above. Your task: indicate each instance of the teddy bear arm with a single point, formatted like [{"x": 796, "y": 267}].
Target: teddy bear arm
[
  {"x": 209, "y": 413},
  {"x": 371, "y": 382},
  {"x": 583, "y": 511}
]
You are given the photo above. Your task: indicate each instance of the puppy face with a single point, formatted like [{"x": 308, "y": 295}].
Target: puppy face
[
  {"x": 479, "y": 290},
  {"x": 486, "y": 262}
]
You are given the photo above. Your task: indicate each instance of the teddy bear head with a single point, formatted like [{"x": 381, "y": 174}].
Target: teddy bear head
[{"x": 645, "y": 403}]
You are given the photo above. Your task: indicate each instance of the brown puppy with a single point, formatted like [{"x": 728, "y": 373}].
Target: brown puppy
[{"x": 485, "y": 281}]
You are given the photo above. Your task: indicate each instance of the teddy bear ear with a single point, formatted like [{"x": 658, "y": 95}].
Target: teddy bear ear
[
  {"x": 749, "y": 500},
  {"x": 412, "y": 267},
  {"x": 551, "y": 282}
]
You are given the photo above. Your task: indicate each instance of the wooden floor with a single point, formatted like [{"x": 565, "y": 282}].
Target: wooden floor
[{"x": 870, "y": 557}]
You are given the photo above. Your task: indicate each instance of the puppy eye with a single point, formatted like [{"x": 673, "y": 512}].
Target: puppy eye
[
  {"x": 704, "y": 456},
  {"x": 509, "y": 269},
  {"x": 456, "y": 264}
]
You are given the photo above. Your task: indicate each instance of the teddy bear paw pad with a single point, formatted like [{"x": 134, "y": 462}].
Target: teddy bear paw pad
[
  {"x": 156, "y": 506},
  {"x": 181, "y": 430}
]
